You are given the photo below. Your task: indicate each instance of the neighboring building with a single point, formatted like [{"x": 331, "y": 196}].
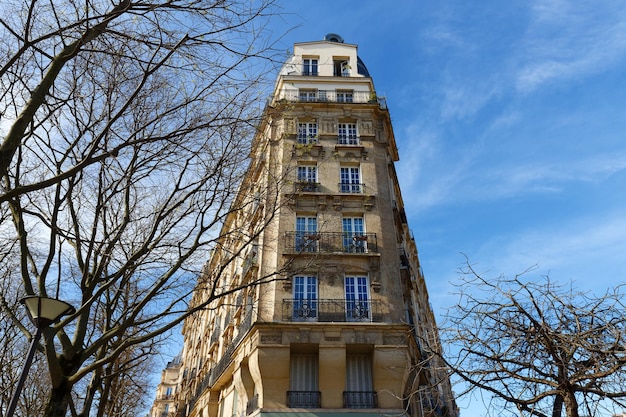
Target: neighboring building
[
  {"x": 346, "y": 333},
  {"x": 165, "y": 402}
]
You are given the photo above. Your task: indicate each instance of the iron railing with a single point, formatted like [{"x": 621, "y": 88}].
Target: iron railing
[
  {"x": 306, "y": 186},
  {"x": 360, "y": 399},
  {"x": 332, "y": 310},
  {"x": 304, "y": 399},
  {"x": 330, "y": 242},
  {"x": 291, "y": 94},
  {"x": 351, "y": 187},
  {"x": 253, "y": 404}
]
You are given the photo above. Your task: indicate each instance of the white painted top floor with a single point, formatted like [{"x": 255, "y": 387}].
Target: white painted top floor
[{"x": 326, "y": 70}]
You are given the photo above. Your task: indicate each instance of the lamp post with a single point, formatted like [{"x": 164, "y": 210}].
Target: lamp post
[{"x": 43, "y": 312}]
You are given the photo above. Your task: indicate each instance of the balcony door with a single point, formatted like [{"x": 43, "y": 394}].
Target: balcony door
[
  {"x": 357, "y": 299},
  {"x": 305, "y": 298},
  {"x": 350, "y": 180},
  {"x": 354, "y": 238},
  {"x": 306, "y": 234}
]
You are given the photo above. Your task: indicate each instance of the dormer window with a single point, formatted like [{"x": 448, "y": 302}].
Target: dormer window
[
  {"x": 341, "y": 67},
  {"x": 309, "y": 66}
]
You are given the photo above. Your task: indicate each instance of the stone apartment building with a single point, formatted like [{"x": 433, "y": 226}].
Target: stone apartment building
[
  {"x": 165, "y": 402},
  {"x": 349, "y": 330}
]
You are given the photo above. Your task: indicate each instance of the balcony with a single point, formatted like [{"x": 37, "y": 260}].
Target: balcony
[
  {"x": 330, "y": 242},
  {"x": 332, "y": 310},
  {"x": 351, "y": 188},
  {"x": 325, "y": 96},
  {"x": 306, "y": 187},
  {"x": 252, "y": 405},
  {"x": 307, "y": 139},
  {"x": 360, "y": 399},
  {"x": 304, "y": 399},
  {"x": 348, "y": 139}
]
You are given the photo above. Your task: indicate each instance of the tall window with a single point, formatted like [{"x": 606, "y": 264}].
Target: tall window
[
  {"x": 307, "y": 132},
  {"x": 357, "y": 299},
  {"x": 347, "y": 134},
  {"x": 307, "y": 178},
  {"x": 345, "y": 96},
  {"x": 303, "y": 381},
  {"x": 359, "y": 387},
  {"x": 354, "y": 238},
  {"x": 306, "y": 234},
  {"x": 350, "y": 180},
  {"x": 309, "y": 66},
  {"x": 305, "y": 298},
  {"x": 307, "y": 173}
]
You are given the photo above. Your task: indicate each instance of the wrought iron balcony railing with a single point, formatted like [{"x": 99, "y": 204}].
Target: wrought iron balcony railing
[
  {"x": 307, "y": 139},
  {"x": 332, "y": 310},
  {"x": 306, "y": 186},
  {"x": 360, "y": 399},
  {"x": 348, "y": 140},
  {"x": 304, "y": 399},
  {"x": 351, "y": 188},
  {"x": 330, "y": 242}
]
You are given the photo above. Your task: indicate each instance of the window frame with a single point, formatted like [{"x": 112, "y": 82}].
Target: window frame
[
  {"x": 350, "y": 180},
  {"x": 310, "y": 66},
  {"x": 305, "y": 297},
  {"x": 357, "y": 298},
  {"x": 306, "y": 234},
  {"x": 347, "y": 133},
  {"x": 344, "y": 96},
  {"x": 307, "y": 132},
  {"x": 353, "y": 233}
]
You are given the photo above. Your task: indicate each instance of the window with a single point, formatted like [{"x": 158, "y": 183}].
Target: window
[
  {"x": 345, "y": 96},
  {"x": 307, "y": 178},
  {"x": 354, "y": 238},
  {"x": 350, "y": 180},
  {"x": 303, "y": 381},
  {"x": 305, "y": 298},
  {"x": 341, "y": 67},
  {"x": 309, "y": 66},
  {"x": 306, "y": 234},
  {"x": 359, "y": 387},
  {"x": 168, "y": 392},
  {"x": 357, "y": 299},
  {"x": 347, "y": 134},
  {"x": 307, "y": 132},
  {"x": 307, "y": 95}
]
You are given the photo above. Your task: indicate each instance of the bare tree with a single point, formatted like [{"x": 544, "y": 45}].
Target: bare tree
[
  {"x": 127, "y": 129},
  {"x": 536, "y": 347}
]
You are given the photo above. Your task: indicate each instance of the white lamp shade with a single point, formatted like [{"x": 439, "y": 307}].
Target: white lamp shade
[{"x": 44, "y": 311}]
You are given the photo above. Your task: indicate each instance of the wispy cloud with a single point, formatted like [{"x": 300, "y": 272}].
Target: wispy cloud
[
  {"x": 569, "y": 40},
  {"x": 583, "y": 248}
]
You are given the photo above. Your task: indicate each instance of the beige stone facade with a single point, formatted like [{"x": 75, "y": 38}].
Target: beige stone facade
[
  {"x": 165, "y": 402},
  {"x": 345, "y": 329}
]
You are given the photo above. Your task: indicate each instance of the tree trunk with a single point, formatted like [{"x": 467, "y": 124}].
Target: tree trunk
[
  {"x": 557, "y": 408},
  {"x": 571, "y": 405},
  {"x": 59, "y": 400}
]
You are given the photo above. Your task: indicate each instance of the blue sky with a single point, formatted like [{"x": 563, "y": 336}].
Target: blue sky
[{"x": 510, "y": 119}]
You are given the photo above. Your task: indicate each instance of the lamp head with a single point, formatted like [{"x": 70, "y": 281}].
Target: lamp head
[{"x": 44, "y": 311}]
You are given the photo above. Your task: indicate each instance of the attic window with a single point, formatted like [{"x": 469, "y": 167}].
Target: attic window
[
  {"x": 309, "y": 66},
  {"x": 341, "y": 67}
]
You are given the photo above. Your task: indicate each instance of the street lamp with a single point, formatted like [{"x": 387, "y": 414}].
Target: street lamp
[{"x": 43, "y": 312}]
